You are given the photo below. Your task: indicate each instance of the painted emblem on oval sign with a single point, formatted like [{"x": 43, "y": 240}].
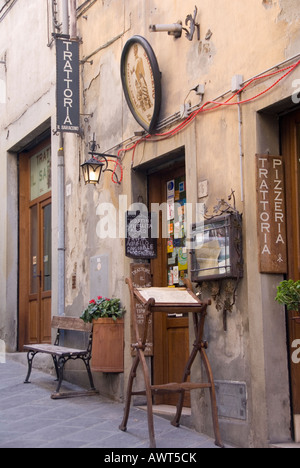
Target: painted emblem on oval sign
[{"x": 141, "y": 80}]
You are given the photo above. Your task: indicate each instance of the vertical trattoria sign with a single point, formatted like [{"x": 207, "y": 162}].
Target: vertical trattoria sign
[
  {"x": 67, "y": 85},
  {"x": 271, "y": 214}
]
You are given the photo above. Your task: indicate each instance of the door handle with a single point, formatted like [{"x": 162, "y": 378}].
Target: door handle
[{"x": 40, "y": 277}]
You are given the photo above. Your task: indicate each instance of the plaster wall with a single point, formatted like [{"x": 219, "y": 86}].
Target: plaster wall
[
  {"x": 229, "y": 45},
  {"x": 26, "y": 106}
]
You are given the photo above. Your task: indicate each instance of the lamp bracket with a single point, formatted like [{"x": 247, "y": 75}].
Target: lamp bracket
[
  {"x": 104, "y": 156},
  {"x": 101, "y": 157}
]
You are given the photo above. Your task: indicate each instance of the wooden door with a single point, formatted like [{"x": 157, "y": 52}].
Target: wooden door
[
  {"x": 291, "y": 152},
  {"x": 171, "y": 332},
  {"x": 35, "y": 241}
]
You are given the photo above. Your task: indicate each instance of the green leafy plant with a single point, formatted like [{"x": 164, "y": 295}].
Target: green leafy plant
[
  {"x": 288, "y": 293},
  {"x": 103, "y": 307}
]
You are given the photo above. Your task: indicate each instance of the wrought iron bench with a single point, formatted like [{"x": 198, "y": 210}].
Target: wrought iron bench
[{"x": 61, "y": 355}]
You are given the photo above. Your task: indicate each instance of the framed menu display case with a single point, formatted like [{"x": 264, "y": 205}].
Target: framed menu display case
[{"x": 217, "y": 248}]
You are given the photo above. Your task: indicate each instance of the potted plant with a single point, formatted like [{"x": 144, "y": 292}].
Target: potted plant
[
  {"x": 108, "y": 334},
  {"x": 288, "y": 294}
]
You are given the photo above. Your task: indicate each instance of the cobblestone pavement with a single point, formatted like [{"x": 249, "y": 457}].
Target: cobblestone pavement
[{"x": 30, "y": 419}]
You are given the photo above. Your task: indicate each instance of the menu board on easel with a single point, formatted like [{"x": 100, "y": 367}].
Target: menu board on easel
[{"x": 140, "y": 274}]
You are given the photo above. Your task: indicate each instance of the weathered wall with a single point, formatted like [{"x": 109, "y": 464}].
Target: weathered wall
[
  {"x": 246, "y": 352},
  {"x": 27, "y": 103}
]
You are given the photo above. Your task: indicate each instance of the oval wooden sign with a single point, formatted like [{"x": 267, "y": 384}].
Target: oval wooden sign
[{"x": 141, "y": 80}]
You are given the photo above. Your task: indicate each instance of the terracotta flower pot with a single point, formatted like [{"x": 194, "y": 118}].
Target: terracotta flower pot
[{"x": 108, "y": 345}]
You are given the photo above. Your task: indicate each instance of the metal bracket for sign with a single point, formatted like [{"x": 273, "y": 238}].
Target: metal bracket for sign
[
  {"x": 82, "y": 62},
  {"x": 176, "y": 29},
  {"x": 222, "y": 207},
  {"x": 67, "y": 37},
  {"x": 87, "y": 115},
  {"x": 61, "y": 36}
]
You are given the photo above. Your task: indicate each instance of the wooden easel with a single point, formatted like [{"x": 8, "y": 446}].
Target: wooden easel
[{"x": 161, "y": 300}]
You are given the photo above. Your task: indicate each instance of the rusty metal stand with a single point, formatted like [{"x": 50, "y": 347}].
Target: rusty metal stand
[{"x": 199, "y": 310}]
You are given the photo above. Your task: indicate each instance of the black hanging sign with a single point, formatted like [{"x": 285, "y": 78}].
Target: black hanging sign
[
  {"x": 67, "y": 85},
  {"x": 141, "y": 238}
]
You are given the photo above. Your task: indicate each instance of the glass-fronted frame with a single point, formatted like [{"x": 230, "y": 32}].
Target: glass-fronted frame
[{"x": 217, "y": 248}]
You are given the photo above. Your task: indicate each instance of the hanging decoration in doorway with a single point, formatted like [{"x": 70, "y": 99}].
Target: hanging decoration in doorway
[{"x": 141, "y": 80}]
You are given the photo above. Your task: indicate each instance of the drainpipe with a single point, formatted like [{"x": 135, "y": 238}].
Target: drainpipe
[
  {"x": 61, "y": 226},
  {"x": 73, "y": 19},
  {"x": 61, "y": 194},
  {"x": 236, "y": 85},
  {"x": 241, "y": 147},
  {"x": 65, "y": 17}
]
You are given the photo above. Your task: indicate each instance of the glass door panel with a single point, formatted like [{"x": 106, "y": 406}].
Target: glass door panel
[
  {"x": 34, "y": 264},
  {"x": 47, "y": 253},
  {"x": 35, "y": 245}
]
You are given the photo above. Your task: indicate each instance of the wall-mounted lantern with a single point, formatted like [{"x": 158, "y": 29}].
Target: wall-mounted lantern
[
  {"x": 98, "y": 164},
  {"x": 92, "y": 170}
]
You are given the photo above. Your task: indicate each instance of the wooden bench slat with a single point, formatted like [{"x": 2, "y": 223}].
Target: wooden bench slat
[
  {"x": 71, "y": 323},
  {"x": 56, "y": 350}
]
